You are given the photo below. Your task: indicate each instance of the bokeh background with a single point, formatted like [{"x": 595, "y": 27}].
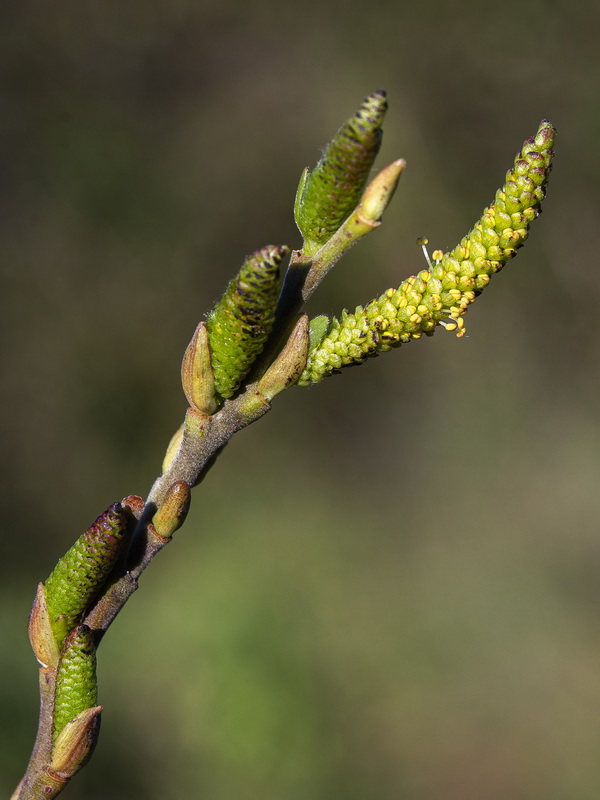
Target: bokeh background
[{"x": 387, "y": 588}]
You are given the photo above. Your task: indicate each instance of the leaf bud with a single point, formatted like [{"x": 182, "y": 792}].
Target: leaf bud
[
  {"x": 289, "y": 364},
  {"x": 197, "y": 375},
  {"x": 379, "y": 192},
  {"x": 75, "y": 743},
  {"x": 173, "y": 510},
  {"x": 41, "y": 635}
]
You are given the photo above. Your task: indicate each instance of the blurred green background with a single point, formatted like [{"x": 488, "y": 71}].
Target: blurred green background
[{"x": 387, "y": 588}]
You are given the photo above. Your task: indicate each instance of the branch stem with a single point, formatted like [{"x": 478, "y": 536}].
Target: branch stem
[
  {"x": 203, "y": 438},
  {"x": 42, "y": 748}
]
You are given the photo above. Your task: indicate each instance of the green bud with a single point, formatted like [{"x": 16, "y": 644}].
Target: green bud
[
  {"x": 442, "y": 294},
  {"x": 242, "y": 320},
  {"x": 289, "y": 364},
  {"x": 196, "y": 373},
  {"x": 330, "y": 193},
  {"x": 74, "y": 744},
  {"x": 76, "y": 688},
  {"x": 82, "y": 571},
  {"x": 41, "y": 635},
  {"x": 300, "y": 191},
  {"x": 173, "y": 510},
  {"x": 379, "y": 192}
]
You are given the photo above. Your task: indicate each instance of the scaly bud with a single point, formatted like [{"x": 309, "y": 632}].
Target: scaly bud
[
  {"x": 196, "y": 373},
  {"x": 379, "y": 192},
  {"x": 76, "y": 688},
  {"x": 327, "y": 195},
  {"x": 82, "y": 571},
  {"x": 442, "y": 294},
  {"x": 173, "y": 510},
  {"x": 242, "y": 320},
  {"x": 41, "y": 636},
  {"x": 75, "y": 743},
  {"x": 289, "y": 364}
]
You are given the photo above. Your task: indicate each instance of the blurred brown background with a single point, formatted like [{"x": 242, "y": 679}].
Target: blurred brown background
[{"x": 388, "y": 587}]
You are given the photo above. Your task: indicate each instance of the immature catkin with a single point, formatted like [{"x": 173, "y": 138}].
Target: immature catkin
[
  {"x": 82, "y": 571},
  {"x": 442, "y": 294},
  {"x": 242, "y": 320},
  {"x": 76, "y": 687},
  {"x": 332, "y": 190}
]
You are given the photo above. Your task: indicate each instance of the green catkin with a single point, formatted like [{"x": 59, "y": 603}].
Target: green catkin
[
  {"x": 82, "y": 571},
  {"x": 76, "y": 687},
  {"x": 442, "y": 294},
  {"x": 333, "y": 189},
  {"x": 242, "y": 320}
]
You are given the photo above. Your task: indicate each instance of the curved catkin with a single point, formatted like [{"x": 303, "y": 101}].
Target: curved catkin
[
  {"x": 82, "y": 571},
  {"x": 334, "y": 187},
  {"x": 76, "y": 687},
  {"x": 442, "y": 294},
  {"x": 242, "y": 320}
]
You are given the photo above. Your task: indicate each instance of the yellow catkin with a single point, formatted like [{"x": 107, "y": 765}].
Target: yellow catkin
[{"x": 455, "y": 279}]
